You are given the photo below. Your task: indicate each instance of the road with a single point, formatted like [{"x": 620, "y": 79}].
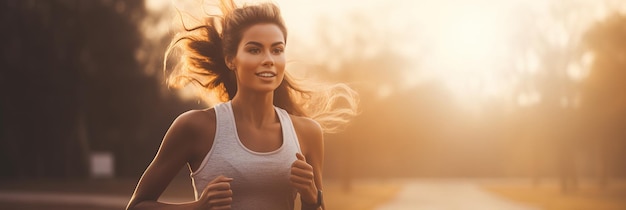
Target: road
[{"x": 448, "y": 195}]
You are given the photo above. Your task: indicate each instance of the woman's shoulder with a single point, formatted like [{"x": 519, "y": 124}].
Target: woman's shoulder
[
  {"x": 305, "y": 123},
  {"x": 306, "y": 126},
  {"x": 196, "y": 115},
  {"x": 310, "y": 136},
  {"x": 196, "y": 120}
]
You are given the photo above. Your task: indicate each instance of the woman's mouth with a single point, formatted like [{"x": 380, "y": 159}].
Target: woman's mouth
[{"x": 266, "y": 74}]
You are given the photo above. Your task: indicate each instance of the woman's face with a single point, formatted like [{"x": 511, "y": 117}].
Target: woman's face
[{"x": 260, "y": 60}]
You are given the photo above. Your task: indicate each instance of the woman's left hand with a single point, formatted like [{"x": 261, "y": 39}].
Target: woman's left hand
[{"x": 302, "y": 178}]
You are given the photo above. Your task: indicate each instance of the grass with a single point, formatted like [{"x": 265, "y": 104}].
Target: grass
[{"x": 548, "y": 196}]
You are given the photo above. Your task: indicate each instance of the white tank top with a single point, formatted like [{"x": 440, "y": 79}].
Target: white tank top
[{"x": 260, "y": 179}]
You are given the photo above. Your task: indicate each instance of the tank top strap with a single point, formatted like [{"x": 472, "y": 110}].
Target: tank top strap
[
  {"x": 225, "y": 128},
  {"x": 288, "y": 128}
]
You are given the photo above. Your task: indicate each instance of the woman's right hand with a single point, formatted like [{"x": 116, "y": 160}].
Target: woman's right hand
[{"x": 217, "y": 195}]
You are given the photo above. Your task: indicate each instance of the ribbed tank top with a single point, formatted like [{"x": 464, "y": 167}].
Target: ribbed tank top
[{"x": 260, "y": 179}]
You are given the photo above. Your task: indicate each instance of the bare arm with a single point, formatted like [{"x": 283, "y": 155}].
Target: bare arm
[
  {"x": 176, "y": 150},
  {"x": 312, "y": 144}
]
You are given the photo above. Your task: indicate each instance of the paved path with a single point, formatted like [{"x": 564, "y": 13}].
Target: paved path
[
  {"x": 105, "y": 201},
  {"x": 64, "y": 198},
  {"x": 448, "y": 195}
]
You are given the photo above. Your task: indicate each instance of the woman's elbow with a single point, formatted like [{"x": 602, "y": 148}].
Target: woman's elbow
[{"x": 133, "y": 204}]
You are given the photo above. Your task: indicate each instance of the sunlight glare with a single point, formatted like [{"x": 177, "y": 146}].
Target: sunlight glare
[
  {"x": 469, "y": 49},
  {"x": 579, "y": 70},
  {"x": 528, "y": 99},
  {"x": 480, "y": 50}
]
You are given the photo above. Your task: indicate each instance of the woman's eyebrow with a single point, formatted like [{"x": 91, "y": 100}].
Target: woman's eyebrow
[
  {"x": 261, "y": 45},
  {"x": 278, "y": 43}
]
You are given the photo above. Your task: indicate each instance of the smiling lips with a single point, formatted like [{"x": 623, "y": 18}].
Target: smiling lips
[{"x": 266, "y": 74}]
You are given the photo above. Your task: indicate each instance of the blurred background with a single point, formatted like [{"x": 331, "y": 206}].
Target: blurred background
[{"x": 523, "y": 97}]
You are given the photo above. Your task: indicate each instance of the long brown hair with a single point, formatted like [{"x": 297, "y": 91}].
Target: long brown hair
[{"x": 202, "y": 63}]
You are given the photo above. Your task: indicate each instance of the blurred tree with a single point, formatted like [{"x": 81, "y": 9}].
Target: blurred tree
[
  {"x": 71, "y": 85},
  {"x": 42, "y": 89},
  {"x": 359, "y": 55},
  {"x": 604, "y": 94},
  {"x": 550, "y": 57}
]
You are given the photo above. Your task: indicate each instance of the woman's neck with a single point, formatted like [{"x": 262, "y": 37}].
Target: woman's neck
[{"x": 254, "y": 108}]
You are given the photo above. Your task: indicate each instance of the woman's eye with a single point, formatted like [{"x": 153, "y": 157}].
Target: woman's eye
[
  {"x": 278, "y": 50},
  {"x": 254, "y": 50}
]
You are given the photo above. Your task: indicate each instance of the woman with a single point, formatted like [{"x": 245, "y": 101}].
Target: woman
[{"x": 264, "y": 142}]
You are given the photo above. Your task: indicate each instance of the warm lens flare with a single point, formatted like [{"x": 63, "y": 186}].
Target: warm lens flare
[
  {"x": 469, "y": 44},
  {"x": 480, "y": 50}
]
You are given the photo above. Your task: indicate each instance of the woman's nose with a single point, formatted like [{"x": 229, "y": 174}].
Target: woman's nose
[{"x": 268, "y": 60}]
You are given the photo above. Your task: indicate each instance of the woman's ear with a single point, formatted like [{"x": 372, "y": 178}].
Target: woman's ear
[{"x": 229, "y": 63}]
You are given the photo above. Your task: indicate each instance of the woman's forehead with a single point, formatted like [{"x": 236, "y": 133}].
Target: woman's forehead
[{"x": 263, "y": 33}]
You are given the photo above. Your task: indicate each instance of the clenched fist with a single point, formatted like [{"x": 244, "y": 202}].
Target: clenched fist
[
  {"x": 217, "y": 195},
  {"x": 302, "y": 178}
]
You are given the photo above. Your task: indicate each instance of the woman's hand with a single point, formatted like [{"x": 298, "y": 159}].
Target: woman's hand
[
  {"x": 302, "y": 178},
  {"x": 217, "y": 195}
]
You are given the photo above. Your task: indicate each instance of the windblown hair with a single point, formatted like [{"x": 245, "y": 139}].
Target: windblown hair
[{"x": 201, "y": 62}]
